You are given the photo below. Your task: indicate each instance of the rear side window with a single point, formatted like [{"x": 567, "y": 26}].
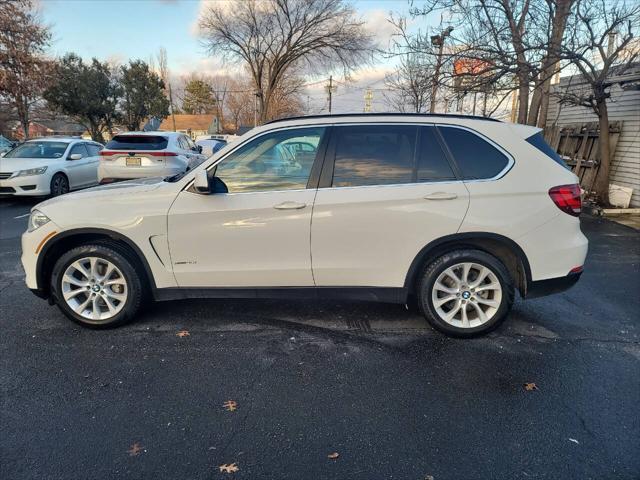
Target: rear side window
[
  {"x": 432, "y": 161},
  {"x": 541, "y": 144},
  {"x": 374, "y": 155},
  {"x": 476, "y": 158},
  {"x": 137, "y": 142}
]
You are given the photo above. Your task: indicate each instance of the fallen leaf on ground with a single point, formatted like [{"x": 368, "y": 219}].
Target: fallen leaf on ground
[
  {"x": 182, "y": 333},
  {"x": 229, "y": 468},
  {"x": 230, "y": 405},
  {"x": 530, "y": 387},
  {"x": 429, "y": 477},
  {"x": 135, "y": 450},
  {"x": 574, "y": 441},
  {"x": 333, "y": 455}
]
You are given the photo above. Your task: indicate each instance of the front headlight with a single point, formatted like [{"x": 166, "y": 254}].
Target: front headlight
[
  {"x": 36, "y": 220},
  {"x": 31, "y": 171}
]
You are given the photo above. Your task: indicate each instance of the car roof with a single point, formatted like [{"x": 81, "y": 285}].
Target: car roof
[
  {"x": 383, "y": 116},
  {"x": 155, "y": 133},
  {"x": 62, "y": 139}
]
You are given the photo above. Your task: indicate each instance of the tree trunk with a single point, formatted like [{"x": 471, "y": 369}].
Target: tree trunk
[
  {"x": 523, "y": 97},
  {"x": 601, "y": 185}
]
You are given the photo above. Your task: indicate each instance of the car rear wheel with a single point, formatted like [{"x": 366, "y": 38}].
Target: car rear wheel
[
  {"x": 97, "y": 286},
  {"x": 59, "y": 185},
  {"x": 465, "y": 293}
]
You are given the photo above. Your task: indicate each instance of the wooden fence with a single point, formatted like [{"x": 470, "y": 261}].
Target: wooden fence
[{"x": 578, "y": 145}]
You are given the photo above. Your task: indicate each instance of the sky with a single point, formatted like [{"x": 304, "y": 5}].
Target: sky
[{"x": 128, "y": 29}]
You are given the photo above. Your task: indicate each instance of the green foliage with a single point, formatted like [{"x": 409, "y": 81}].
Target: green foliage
[
  {"x": 142, "y": 95},
  {"x": 198, "y": 97},
  {"x": 87, "y": 93}
]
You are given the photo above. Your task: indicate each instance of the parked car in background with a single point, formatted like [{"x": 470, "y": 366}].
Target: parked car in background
[
  {"x": 49, "y": 166},
  {"x": 455, "y": 212},
  {"x": 6, "y": 144},
  {"x": 148, "y": 154},
  {"x": 211, "y": 145}
]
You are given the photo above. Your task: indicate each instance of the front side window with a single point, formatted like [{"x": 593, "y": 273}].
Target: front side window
[
  {"x": 476, "y": 158},
  {"x": 374, "y": 155},
  {"x": 79, "y": 149},
  {"x": 94, "y": 149},
  {"x": 270, "y": 163},
  {"x": 40, "y": 150}
]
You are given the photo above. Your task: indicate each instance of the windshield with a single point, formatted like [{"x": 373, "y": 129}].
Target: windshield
[{"x": 50, "y": 150}]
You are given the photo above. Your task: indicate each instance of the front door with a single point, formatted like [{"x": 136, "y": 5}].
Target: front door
[
  {"x": 386, "y": 191},
  {"x": 254, "y": 230},
  {"x": 82, "y": 172}
]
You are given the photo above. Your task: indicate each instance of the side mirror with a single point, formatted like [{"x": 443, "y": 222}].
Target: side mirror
[
  {"x": 201, "y": 182},
  {"x": 75, "y": 156},
  {"x": 199, "y": 147}
]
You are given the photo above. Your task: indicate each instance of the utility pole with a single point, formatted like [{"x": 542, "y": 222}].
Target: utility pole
[
  {"x": 330, "y": 89},
  {"x": 438, "y": 41},
  {"x": 368, "y": 98},
  {"x": 173, "y": 116}
]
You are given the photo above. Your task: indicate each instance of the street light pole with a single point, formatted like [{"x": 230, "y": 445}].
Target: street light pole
[{"x": 438, "y": 41}]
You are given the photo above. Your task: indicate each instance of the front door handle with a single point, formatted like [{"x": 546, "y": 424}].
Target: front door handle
[
  {"x": 290, "y": 206},
  {"x": 441, "y": 196}
]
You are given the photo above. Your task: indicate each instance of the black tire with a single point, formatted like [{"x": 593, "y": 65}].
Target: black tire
[
  {"x": 119, "y": 257},
  {"x": 59, "y": 185},
  {"x": 436, "y": 267}
]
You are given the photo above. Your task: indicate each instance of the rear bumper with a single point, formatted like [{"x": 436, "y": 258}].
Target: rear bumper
[
  {"x": 542, "y": 288},
  {"x": 130, "y": 173}
]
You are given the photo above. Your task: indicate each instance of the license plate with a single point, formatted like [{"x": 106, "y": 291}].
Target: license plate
[{"x": 133, "y": 161}]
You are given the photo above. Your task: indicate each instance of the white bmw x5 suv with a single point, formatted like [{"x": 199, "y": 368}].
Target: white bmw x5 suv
[{"x": 455, "y": 212}]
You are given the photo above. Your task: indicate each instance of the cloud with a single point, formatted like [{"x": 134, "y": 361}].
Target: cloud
[
  {"x": 203, "y": 7},
  {"x": 377, "y": 23}
]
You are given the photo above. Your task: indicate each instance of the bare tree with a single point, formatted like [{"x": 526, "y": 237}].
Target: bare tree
[
  {"x": 23, "y": 68},
  {"x": 410, "y": 85},
  {"x": 557, "y": 14},
  {"x": 273, "y": 37},
  {"x": 599, "y": 47},
  {"x": 239, "y": 102}
]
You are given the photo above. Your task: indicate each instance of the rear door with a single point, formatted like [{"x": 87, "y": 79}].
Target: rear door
[
  {"x": 93, "y": 162},
  {"x": 386, "y": 191}
]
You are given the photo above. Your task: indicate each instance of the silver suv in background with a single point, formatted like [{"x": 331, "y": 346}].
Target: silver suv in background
[{"x": 148, "y": 154}]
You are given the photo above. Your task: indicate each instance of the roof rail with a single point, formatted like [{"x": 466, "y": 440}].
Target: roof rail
[{"x": 426, "y": 115}]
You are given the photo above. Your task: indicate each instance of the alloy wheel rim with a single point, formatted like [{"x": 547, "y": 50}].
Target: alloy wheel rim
[
  {"x": 466, "y": 295},
  {"x": 94, "y": 288},
  {"x": 59, "y": 186}
]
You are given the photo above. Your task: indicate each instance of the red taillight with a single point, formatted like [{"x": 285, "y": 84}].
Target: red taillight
[
  {"x": 576, "y": 269},
  {"x": 567, "y": 198},
  {"x": 108, "y": 153}
]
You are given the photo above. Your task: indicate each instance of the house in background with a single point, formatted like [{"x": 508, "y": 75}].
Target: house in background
[
  {"x": 623, "y": 108},
  {"x": 192, "y": 125},
  {"x": 46, "y": 128}
]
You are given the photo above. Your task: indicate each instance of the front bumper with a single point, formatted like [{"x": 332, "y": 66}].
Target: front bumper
[
  {"x": 32, "y": 185},
  {"x": 542, "y": 288},
  {"x": 32, "y": 245}
]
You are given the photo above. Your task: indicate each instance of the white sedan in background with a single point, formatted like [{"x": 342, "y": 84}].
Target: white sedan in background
[
  {"x": 49, "y": 166},
  {"x": 148, "y": 154}
]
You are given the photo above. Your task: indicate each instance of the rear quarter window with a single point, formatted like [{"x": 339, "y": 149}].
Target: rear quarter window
[
  {"x": 541, "y": 144},
  {"x": 476, "y": 158},
  {"x": 137, "y": 142}
]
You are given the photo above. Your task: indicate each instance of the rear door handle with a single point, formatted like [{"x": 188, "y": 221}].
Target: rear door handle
[
  {"x": 441, "y": 196},
  {"x": 290, "y": 206}
]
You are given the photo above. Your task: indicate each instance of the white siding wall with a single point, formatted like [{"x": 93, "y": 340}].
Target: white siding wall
[{"x": 624, "y": 105}]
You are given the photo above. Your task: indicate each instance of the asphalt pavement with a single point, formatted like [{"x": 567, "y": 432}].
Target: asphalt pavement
[{"x": 369, "y": 382}]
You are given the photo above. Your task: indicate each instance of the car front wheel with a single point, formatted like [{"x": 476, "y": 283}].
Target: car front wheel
[
  {"x": 97, "y": 286},
  {"x": 465, "y": 293}
]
